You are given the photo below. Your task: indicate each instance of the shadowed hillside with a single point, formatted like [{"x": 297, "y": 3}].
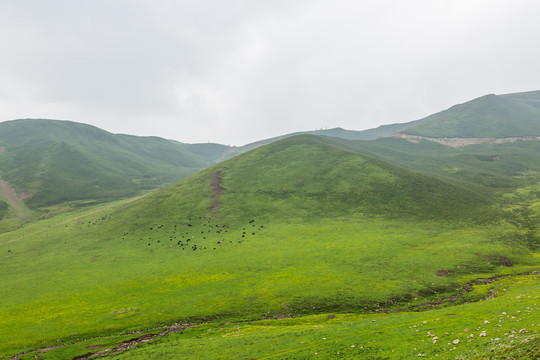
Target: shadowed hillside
[{"x": 59, "y": 161}]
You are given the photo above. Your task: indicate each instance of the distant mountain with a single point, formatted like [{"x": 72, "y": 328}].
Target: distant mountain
[
  {"x": 370, "y": 134},
  {"x": 53, "y": 161},
  {"x": 490, "y": 116}
]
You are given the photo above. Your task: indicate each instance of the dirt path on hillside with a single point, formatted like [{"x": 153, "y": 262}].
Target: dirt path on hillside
[
  {"x": 15, "y": 200},
  {"x": 459, "y": 142},
  {"x": 216, "y": 181}
]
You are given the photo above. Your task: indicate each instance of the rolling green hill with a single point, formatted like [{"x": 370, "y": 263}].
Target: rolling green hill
[
  {"x": 304, "y": 246},
  {"x": 490, "y": 116},
  {"x": 54, "y": 162},
  {"x": 311, "y": 176},
  {"x": 306, "y": 225}
]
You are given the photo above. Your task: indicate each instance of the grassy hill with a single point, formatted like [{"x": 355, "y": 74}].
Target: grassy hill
[
  {"x": 487, "y": 169},
  {"x": 318, "y": 177},
  {"x": 307, "y": 225},
  {"x": 490, "y": 116},
  {"x": 55, "y": 162}
]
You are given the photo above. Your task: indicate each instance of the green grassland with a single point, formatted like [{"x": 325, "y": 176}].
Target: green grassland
[
  {"x": 307, "y": 226},
  {"x": 490, "y": 116},
  {"x": 67, "y": 283},
  {"x": 510, "y": 323}
]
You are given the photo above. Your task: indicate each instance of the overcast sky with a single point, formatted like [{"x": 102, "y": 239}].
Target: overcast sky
[{"x": 234, "y": 71}]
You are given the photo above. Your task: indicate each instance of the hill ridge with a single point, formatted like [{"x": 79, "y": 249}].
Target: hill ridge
[{"x": 488, "y": 116}]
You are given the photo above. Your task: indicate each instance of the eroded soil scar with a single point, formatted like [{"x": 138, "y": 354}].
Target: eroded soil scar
[{"x": 216, "y": 187}]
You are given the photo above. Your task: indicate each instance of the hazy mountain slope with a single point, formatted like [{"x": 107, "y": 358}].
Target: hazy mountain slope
[
  {"x": 210, "y": 152},
  {"x": 58, "y": 161},
  {"x": 370, "y": 134},
  {"x": 490, "y": 116}
]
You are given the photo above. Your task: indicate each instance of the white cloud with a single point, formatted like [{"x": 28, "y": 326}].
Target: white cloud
[{"x": 239, "y": 71}]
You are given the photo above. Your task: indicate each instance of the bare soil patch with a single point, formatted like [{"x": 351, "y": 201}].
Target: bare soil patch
[
  {"x": 213, "y": 208},
  {"x": 505, "y": 261},
  {"x": 459, "y": 142},
  {"x": 216, "y": 181},
  {"x": 13, "y": 198},
  {"x": 444, "y": 272}
]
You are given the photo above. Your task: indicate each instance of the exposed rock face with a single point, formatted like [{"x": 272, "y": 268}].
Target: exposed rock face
[{"x": 458, "y": 142}]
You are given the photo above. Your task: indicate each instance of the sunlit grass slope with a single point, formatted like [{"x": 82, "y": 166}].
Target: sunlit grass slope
[
  {"x": 298, "y": 227},
  {"x": 506, "y": 327}
]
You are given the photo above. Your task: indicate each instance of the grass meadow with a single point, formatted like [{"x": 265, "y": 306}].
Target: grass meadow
[
  {"x": 330, "y": 233},
  {"x": 67, "y": 279}
]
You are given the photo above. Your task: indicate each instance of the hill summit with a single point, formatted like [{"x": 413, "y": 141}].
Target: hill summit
[{"x": 489, "y": 116}]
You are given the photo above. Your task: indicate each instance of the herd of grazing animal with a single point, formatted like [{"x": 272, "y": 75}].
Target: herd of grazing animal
[{"x": 197, "y": 234}]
